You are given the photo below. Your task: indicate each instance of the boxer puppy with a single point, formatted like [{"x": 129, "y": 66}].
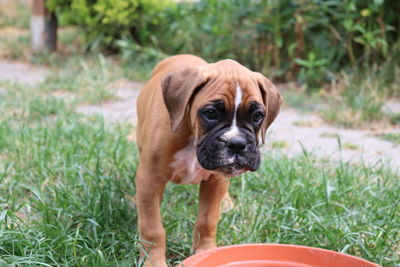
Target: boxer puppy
[{"x": 197, "y": 123}]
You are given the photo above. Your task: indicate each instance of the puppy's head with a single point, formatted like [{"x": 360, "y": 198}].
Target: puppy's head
[{"x": 227, "y": 107}]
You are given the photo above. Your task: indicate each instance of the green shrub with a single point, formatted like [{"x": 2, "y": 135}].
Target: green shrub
[
  {"x": 106, "y": 21},
  {"x": 283, "y": 36},
  {"x": 312, "y": 70},
  {"x": 251, "y": 32},
  {"x": 285, "y": 39}
]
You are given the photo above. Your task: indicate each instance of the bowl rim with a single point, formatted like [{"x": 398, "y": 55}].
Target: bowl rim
[{"x": 197, "y": 258}]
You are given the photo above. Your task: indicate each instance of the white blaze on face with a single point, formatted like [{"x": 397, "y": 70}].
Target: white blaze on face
[{"x": 234, "y": 130}]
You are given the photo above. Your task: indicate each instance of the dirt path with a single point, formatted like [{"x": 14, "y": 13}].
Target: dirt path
[
  {"x": 122, "y": 109},
  {"x": 21, "y": 72},
  {"x": 298, "y": 130},
  {"x": 291, "y": 132}
]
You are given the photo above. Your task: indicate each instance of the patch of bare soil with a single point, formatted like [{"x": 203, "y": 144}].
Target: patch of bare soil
[
  {"x": 331, "y": 142},
  {"x": 22, "y": 72},
  {"x": 123, "y": 109}
]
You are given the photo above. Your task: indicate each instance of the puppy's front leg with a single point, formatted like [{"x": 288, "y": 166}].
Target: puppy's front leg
[
  {"x": 149, "y": 195},
  {"x": 211, "y": 194}
]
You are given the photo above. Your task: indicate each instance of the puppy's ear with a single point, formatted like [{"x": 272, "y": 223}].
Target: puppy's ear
[
  {"x": 272, "y": 102},
  {"x": 178, "y": 90}
]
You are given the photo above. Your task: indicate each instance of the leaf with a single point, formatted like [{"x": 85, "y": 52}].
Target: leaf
[
  {"x": 3, "y": 215},
  {"x": 291, "y": 49},
  {"x": 359, "y": 40},
  {"x": 359, "y": 28},
  {"x": 320, "y": 62},
  {"x": 311, "y": 56},
  {"x": 279, "y": 42},
  {"x": 348, "y": 24},
  {"x": 302, "y": 62}
]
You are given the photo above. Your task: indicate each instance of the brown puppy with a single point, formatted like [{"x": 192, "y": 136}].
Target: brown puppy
[{"x": 197, "y": 123}]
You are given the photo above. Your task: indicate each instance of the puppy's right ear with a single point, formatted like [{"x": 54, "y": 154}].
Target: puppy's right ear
[{"x": 178, "y": 90}]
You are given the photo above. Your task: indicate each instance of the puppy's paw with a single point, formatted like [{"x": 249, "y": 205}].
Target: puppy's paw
[
  {"x": 156, "y": 264},
  {"x": 203, "y": 245},
  {"x": 201, "y": 249}
]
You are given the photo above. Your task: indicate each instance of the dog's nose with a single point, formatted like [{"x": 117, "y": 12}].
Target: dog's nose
[{"x": 236, "y": 144}]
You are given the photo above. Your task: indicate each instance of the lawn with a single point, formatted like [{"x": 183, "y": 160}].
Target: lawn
[{"x": 66, "y": 181}]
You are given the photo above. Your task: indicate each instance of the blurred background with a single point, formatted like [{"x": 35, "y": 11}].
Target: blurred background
[{"x": 341, "y": 53}]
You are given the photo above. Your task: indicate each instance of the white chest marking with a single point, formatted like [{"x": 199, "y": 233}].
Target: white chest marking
[
  {"x": 234, "y": 130},
  {"x": 186, "y": 168}
]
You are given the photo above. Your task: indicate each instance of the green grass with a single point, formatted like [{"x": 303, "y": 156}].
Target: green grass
[
  {"x": 14, "y": 46},
  {"x": 62, "y": 194},
  {"x": 14, "y": 13},
  {"x": 357, "y": 99},
  {"x": 350, "y": 146},
  {"x": 395, "y": 138},
  {"x": 66, "y": 181},
  {"x": 87, "y": 77},
  {"x": 394, "y": 118},
  {"x": 279, "y": 144},
  {"x": 301, "y": 100}
]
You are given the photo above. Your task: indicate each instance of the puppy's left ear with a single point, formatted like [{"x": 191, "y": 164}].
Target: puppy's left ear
[
  {"x": 272, "y": 102},
  {"x": 178, "y": 89}
]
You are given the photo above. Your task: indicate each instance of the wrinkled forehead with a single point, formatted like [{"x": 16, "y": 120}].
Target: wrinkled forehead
[{"x": 232, "y": 90}]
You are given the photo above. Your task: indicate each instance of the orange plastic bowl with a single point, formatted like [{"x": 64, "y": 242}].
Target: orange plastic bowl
[{"x": 273, "y": 255}]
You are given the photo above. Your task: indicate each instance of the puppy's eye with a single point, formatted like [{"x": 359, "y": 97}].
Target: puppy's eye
[
  {"x": 210, "y": 114},
  {"x": 257, "y": 117}
]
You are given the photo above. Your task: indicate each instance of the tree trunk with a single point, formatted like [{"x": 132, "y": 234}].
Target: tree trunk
[{"x": 43, "y": 28}]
